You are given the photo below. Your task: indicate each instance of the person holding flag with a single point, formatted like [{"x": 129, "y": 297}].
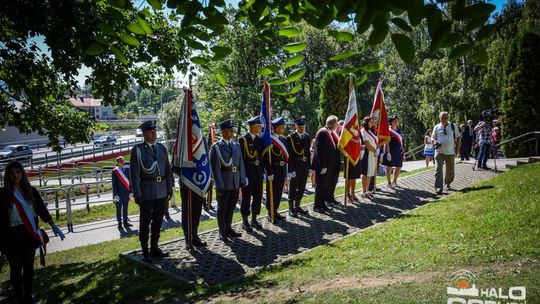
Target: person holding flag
[
  {"x": 381, "y": 127},
  {"x": 229, "y": 176},
  {"x": 298, "y": 144},
  {"x": 121, "y": 187},
  {"x": 393, "y": 152},
  {"x": 251, "y": 145},
  {"x": 190, "y": 162},
  {"x": 350, "y": 146},
  {"x": 211, "y": 140},
  {"x": 277, "y": 167}
]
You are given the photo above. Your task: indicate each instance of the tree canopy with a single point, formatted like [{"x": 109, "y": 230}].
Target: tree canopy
[{"x": 121, "y": 42}]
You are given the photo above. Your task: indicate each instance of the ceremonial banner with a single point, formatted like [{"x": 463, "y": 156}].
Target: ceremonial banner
[
  {"x": 378, "y": 112},
  {"x": 265, "y": 119},
  {"x": 349, "y": 141},
  {"x": 189, "y": 151}
]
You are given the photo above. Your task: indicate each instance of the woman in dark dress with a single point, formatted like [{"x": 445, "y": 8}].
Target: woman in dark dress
[
  {"x": 20, "y": 236},
  {"x": 393, "y": 152}
]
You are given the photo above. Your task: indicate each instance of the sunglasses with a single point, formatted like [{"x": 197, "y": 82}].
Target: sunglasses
[{"x": 444, "y": 131}]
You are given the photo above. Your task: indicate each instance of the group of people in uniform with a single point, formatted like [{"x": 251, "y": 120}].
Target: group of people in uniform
[{"x": 237, "y": 165}]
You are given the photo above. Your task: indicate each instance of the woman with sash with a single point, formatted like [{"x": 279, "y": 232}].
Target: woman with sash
[
  {"x": 369, "y": 158},
  {"x": 20, "y": 235},
  {"x": 393, "y": 152}
]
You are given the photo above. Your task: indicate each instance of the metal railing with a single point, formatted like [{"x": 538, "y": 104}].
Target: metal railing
[
  {"x": 535, "y": 136},
  {"x": 413, "y": 151}
]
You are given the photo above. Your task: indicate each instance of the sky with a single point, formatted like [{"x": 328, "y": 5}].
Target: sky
[{"x": 85, "y": 71}]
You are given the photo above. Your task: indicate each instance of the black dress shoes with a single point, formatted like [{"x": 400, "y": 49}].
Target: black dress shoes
[
  {"x": 256, "y": 224},
  {"x": 157, "y": 253},
  {"x": 197, "y": 242},
  {"x": 233, "y": 233}
]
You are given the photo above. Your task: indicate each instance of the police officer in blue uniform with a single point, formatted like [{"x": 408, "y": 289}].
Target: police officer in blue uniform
[
  {"x": 276, "y": 168},
  {"x": 298, "y": 144},
  {"x": 251, "y": 146},
  {"x": 229, "y": 175},
  {"x": 152, "y": 186}
]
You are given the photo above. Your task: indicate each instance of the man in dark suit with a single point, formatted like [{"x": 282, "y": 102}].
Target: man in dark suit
[
  {"x": 325, "y": 163},
  {"x": 121, "y": 187},
  {"x": 229, "y": 175},
  {"x": 467, "y": 139},
  {"x": 251, "y": 146},
  {"x": 298, "y": 144},
  {"x": 276, "y": 166},
  {"x": 152, "y": 186}
]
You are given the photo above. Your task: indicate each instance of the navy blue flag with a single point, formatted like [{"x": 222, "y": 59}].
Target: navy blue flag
[
  {"x": 265, "y": 118},
  {"x": 189, "y": 153}
]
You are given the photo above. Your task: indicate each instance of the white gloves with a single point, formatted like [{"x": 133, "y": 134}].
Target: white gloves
[
  {"x": 131, "y": 196},
  {"x": 310, "y": 172},
  {"x": 323, "y": 171},
  {"x": 58, "y": 232},
  {"x": 246, "y": 183},
  {"x": 116, "y": 198},
  {"x": 389, "y": 156},
  {"x": 270, "y": 177}
]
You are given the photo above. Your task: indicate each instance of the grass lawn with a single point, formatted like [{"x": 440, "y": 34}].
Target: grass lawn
[{"x": 492, "y": 229}]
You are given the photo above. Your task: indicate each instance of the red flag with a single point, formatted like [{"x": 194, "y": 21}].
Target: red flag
[
  {"x": 378, "y": 112},
  {"x": 349, "y": 141},
  {"x": 213, "y": 133}
]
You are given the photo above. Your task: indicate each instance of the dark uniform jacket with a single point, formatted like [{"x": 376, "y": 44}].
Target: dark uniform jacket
[
  {"x": 252, "y": 155},
  {"x": 278, "y": 159},
  {"x": 299, "y": 154},
  {"x": 326, "y": 153},
  {"x": 227, "y": 174}
]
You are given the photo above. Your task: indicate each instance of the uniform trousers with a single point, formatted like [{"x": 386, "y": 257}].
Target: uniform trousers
[
  {"x": 152, "y": 212},
  {"x": 195, "y": 210},
  {"x": 226, "y": 204}
]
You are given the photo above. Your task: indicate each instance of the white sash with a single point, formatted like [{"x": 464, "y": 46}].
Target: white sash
[{"x": 281, "y": 146}]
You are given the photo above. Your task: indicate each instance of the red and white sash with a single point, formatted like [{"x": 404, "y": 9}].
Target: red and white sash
[
  {"x": 122, "y": 177},
  {"x": 332, "y": 136},
  {"x": 280, "y": 145},
  {"x": 27, "y": 216},
  {"x": 373, "y": 136},
  {"x": 397, "y": 136}
]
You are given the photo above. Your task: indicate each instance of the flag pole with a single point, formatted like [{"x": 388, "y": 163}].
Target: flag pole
[
  {"x": 270, "y": 182},
  {"x": 190, "y": 201}
]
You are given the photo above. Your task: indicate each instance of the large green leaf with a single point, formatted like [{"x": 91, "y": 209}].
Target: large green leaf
[
  {"x": 222, "y": 76},
  {"x": 451, "y": 40},
  {"x": 341, "y": 35},
  {"x": 221, "y": 50},
  {"x": 460, "y": 51},
  {"x": 291, "y": 99},
  {"x": 474, "y": 11},
  {"x": 378, "y": 34},
  {"x": 101, "y": 39},
  {"x": 416, "y": 12},
  {"x": 434, "y": 18},
  {"x": 289, "y": 32},
  {"x": 276, "y": 81},
  {"x": 144, "y": 25},
  {"x": 343, "y": 55},
  {"x": 296, "y": 89},
  {"x": 372, "y": 67},
  {"x": 118, "y": 54},
  {"x": 360, "y": 80},
  {"x": 95, "y": 49},
  {"x": 295, "y": 47},
  {"x": 199, "y": 60},
  {"x": 135, "y": 28},
  {"x": 485, "y": 32},
  {"x": 404, "y": 46},
  {"x": 440, "y": 35},
  {"x": 402, "y": 24},
  {"x": 129, "y": 40},
  {"x": 155, "y": 4},
  {"x": 195, "y": 44},
  {"x": 107, "y": 29},
  {"x": 296, "y": 74},
  {"x": 347, "y": 71},
  {"x": 294, "y": 60},
  {"x": 476, "y": 23},
  {"x": 279, "y": 91},
  {"x": 268, "y": 70}
]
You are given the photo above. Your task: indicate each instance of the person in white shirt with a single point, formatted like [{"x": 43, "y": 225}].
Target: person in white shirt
[{"x": 446, "y": 140}]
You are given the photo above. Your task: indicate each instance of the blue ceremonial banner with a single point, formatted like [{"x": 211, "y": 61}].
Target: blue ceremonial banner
[
  {"x": 190, "y": 151},
  {"x": 265, "y": 118}
]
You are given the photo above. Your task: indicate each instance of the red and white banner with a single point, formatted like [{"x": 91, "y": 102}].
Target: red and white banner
[{"x": 378, "y": 112}]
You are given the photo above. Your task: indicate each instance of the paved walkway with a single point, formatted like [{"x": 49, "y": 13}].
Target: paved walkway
[{"x": 223, "y": 262}]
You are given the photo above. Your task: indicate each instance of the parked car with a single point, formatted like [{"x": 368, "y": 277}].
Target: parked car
[
  {"x": 138, "y": 133},
  {"x": 16, "y": 152},
  {"x": 105, "y": 140}
]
